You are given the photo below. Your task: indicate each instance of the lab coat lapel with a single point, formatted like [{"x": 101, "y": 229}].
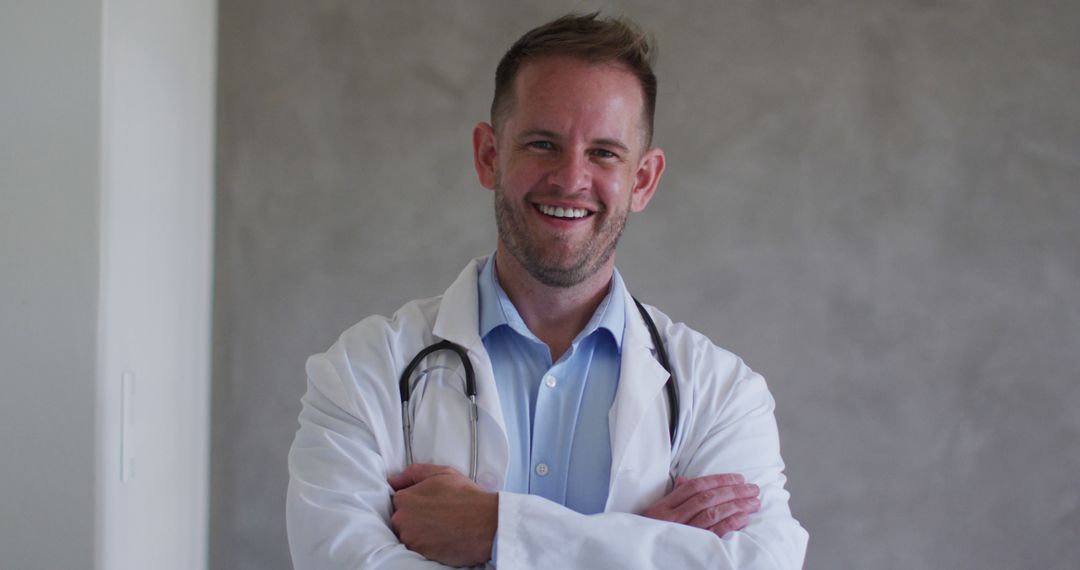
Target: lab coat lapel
[
  {"x": 458, "y": 321},
  {"x": 640, "y": 450}
]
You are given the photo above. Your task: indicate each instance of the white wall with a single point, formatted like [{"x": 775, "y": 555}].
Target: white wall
[
  {"x": 156, "y": 211},
  {"x": 106, "y": 148}
]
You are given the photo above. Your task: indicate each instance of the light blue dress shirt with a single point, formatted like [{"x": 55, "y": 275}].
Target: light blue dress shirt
[{"x": 556, "y": 413}]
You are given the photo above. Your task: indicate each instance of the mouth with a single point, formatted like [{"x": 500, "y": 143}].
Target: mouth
[{"x": 563, "y": 212}]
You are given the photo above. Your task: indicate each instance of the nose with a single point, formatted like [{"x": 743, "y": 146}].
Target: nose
[{"x": 571, "y": 172}]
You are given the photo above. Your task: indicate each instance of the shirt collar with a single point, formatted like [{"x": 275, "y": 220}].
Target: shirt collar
[{"x": 496, "y": 309}]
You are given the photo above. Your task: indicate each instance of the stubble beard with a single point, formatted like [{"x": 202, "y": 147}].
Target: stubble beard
[{"x": 544, "y": 267}]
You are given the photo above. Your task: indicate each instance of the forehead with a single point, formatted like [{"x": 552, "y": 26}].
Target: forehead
[{"x": 565, "y": 94}]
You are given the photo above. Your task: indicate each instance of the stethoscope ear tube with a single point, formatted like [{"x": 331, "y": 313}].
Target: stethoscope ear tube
[
  {"x": 470, "y": 377},
  {"x": 672, "y": 387},
  {"x": 470, "y": 392},
  {"x": 470, "y": 388}
]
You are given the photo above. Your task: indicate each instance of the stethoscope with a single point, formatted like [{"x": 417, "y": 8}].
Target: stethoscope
[{"x": 406, "y": 389}]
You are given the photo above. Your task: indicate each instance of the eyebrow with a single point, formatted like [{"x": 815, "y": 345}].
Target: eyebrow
[{"x": 553, "y": 135}]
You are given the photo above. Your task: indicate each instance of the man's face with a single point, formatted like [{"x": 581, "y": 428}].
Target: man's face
[{"x": 567, "y": 165}]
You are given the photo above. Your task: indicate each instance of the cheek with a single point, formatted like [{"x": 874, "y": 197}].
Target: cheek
[
  {"x": 615, "y": 186},
  {"x": 520, "y": 178}
]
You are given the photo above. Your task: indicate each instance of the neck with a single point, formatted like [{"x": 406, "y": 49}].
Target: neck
[{"x": 554, "y": 314}]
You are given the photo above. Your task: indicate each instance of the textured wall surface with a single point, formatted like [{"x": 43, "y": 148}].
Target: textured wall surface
[
  {"x": 876, "y": 204},
  {"x": 50, "y": 85}
]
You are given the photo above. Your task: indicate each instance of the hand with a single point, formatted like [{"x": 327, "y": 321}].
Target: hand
[
  {"x": 720, "y": 503},
  {"x": 443, "y": 516}
]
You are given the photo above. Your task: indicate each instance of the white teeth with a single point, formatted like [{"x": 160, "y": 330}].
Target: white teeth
[{"x": 560, "y": 212}]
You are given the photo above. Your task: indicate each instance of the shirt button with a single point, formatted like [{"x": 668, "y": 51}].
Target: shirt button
[
  {"x": 541, "y": 469},
  {"x": 550, "y": 381}
]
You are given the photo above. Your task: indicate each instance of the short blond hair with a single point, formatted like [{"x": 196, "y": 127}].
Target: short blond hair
[{"x": 590, "y": 38}]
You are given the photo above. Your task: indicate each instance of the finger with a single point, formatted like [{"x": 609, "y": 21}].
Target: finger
[
  {"x": 716, "y": 514},
  {"x": 416, "y": 473},
  {"x": 708, "y": 498},
  {"x": 680, "y": 480},
  {"x": 694, "y": 486},
  {"x": 733, "y": 523}
]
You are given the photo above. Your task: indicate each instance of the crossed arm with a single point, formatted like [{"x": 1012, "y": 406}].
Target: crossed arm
[
  {"x": 444, "y": 516},
  {"x": 342, "y": 512}
]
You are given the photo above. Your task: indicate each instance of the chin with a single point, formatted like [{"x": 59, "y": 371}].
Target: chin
[{"x": 562, "y": 274}]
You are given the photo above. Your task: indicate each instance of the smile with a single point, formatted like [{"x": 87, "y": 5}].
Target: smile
[{"x": 560, "y": 212}]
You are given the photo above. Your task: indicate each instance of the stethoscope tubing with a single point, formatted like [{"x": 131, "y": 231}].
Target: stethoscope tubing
[
  {"x": 672, "y": 387},
  {"x": 405, "y": 389},
  {"x": 470, "y": 392}
]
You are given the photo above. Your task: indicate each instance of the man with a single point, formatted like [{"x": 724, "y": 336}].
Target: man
[{"x": 574, "y": 462}]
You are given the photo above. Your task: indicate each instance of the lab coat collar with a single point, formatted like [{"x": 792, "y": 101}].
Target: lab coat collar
[
  {"x": 636, "y": 448},
  {"x": 458, "y": 321},
  {"x": 459, "y": 312}
]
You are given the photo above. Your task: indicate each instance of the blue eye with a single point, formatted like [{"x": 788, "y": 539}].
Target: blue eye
[
  {"x": 541, "y": 145},
  {"x": 604, "y": 153}
]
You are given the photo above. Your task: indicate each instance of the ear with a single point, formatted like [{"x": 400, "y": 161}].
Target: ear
[
  {"x": 646, "y": 179},
  {"x": 484, "y": 155}
]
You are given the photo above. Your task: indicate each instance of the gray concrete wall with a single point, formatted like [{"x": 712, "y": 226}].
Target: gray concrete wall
[
  {"x": 877, "y": 204},
  {"x": 49, "y": 111},
  {"x": 49, "y": 262}
]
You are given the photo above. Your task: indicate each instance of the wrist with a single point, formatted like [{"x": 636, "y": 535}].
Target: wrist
[{"x": 488, "y": 526}]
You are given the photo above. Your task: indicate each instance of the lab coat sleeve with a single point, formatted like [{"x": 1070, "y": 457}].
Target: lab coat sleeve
[
  {"x": 731, "y": 429},
  {"x": 339, "y": 505}
]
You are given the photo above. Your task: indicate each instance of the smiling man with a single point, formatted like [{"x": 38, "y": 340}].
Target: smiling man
[{"x": 536, "y": 416}]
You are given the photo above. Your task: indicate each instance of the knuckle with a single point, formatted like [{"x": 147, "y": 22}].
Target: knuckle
[
  {"x": 733, "y": 523},
  {"x": 728, "y": 525},
  {"x": 729, "y": 479}
]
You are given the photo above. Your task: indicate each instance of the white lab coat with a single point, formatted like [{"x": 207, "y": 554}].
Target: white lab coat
[{"x": 350, "y": 440}]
